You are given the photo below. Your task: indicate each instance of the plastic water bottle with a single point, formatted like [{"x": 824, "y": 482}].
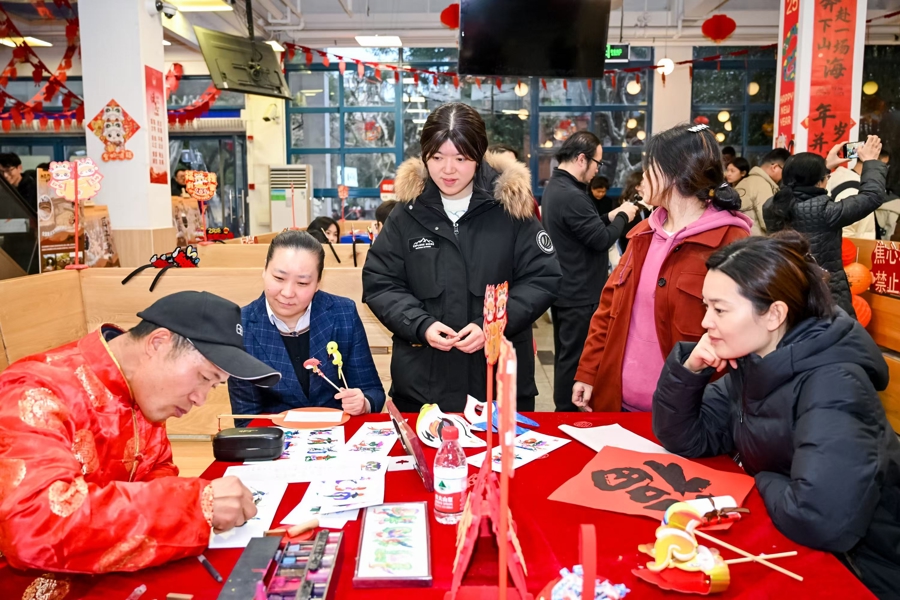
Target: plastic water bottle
[{"x": 451, "y": 475}]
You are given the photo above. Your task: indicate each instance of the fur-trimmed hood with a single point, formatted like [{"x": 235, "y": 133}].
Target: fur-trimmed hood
[{"x": 509, "y": 180}]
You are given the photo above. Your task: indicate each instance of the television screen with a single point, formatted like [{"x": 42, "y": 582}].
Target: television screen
[
  {"x": 240, "y": 65},
  {"x": 545, "y": 38}
]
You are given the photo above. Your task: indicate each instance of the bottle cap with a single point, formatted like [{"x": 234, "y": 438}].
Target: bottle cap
[{"x": 449, "y": 433}]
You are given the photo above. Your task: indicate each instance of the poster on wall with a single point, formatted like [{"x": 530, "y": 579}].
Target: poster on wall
[
  {"x": 56, "y": 224},
  {"x": 784, "y": 133},
  {"x": 831, "y": 93},
  {"x": 157, "y": 122},
  {"x": 114, "y": 126}
]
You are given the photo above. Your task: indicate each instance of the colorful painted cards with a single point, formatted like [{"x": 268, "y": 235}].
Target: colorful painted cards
[
  {"x": 394, "y": 549},
  {"x": 267, "y": 496},
  {"x": 528, "y": 447}
]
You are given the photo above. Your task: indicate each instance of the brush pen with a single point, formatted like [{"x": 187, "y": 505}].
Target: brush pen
[{"x": 209, "y": 568}]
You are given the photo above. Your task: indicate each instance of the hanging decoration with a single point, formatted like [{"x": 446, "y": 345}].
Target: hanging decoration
[
  {"x": 718, "y": 28},
  {"x": 450, "y": 16},
  {"x": 114, "y": 127},
  {"x": 173, "y": 79}
]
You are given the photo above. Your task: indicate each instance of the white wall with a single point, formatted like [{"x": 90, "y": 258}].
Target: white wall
[
  {"x": 268, "y": 147},
  {"x": 672, "y": 103}
]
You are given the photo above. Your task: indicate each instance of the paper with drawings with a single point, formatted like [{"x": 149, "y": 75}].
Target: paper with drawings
[
  {"x": 528, "y": 447},
  {"x": 338, "y": 495},
  {"x": 597, "y": 438},
  {"x": 371, "y": 439},
  {"x": 321, "y": 445},
  {"x": 308, "y": 509},
  {"x": 267, "y": 496},
  {"x": 285, "y": 471}
]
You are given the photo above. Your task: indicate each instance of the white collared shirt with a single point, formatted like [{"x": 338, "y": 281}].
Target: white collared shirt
[{"x": 302, "y": 322}]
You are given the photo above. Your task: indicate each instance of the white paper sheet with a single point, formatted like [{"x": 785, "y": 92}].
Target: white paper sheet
[
  {"x": 284, "y": 471},
  {"x": 307, "y": 510},
  {"x": 597, "y": 438},
  {"x": 372, "y": 440},
  {"x": 318, "y": 443},
  {"x": 528, "y": 447},
  {"x": 267, "y": 496},
  {"x": 310, "y": 416}
]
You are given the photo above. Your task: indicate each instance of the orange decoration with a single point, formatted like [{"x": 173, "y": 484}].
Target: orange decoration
[
  {"x": 848, "y": 251},
  {"x": 863, "y": 310},
  {"x": 859, "y": 276}
]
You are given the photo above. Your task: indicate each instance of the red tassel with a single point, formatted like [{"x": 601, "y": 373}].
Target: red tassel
[
  {"x": 499, "y": 84},
  {"x": 16, "y": 116},
  {"x": 416, "y": 77},
  {"x": 291, "y": 51},
  {"x": 544, "y": 84},
  {"x": 637, "y": 77},
  {"x": 7, "y": 125},
  {"x": 79, "y": 113},
  {"x": 68, "y": 122},
  {"x": 478, "y": 82},
  {"x": 360, "y": 69},
  {"x": 435, "y": 80},
  {"x": 613, "y": 81},
  {"x": 37, "y": 74},
  {"x": 718, "y": 65},
  {"x": 342, "y": 66},
  {"x": 57, "y": 124},
  {"x": 566, "y": 84},
  {"x": 456, "y": 81},
  {"x": 664, "y": 79},
  {"x": 325, "y": 60}
]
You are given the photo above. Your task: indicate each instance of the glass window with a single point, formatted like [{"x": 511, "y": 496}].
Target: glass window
[
  {"x": 729, "y": 132},
  {"x": 714, "y": 86},
  {"x": 628, "y": 90},
  {"x": 368, "y": 91},
  {"x": 755, "y": 52},
  {"x": 314, "y": 89},
  {"x": 369, "y": 129},
  {"x": 556, "y": 127},
  {"x": 325, "y": 167},
  {"x": 191, "y": 88},
  {"x": 556, "y": 93},
  {"x": 315, "y": 130},
  {"x": 369, "y": 169},
  {"x": 511, "y": 130},
  {"x": 621, "y": 128},
  {"x": 355, "y": 209},
  {"x": 761, "y": 87},
  {"x": 617, "y": 166},
  {"x": 760, "y": 127}
]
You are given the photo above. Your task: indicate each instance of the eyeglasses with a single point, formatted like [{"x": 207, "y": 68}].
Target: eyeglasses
[{"x": 600, "y": 163}]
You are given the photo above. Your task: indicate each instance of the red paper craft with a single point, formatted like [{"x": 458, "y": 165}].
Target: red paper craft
[
  {"x": 635, "y": 483},
  {"x": 114, "y": 127}
]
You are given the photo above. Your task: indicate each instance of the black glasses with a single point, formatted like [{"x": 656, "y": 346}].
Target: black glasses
[{"x": 600, "y": 163}]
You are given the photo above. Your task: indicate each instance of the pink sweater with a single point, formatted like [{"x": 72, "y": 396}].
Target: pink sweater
[{"x": 643, "y": 359}]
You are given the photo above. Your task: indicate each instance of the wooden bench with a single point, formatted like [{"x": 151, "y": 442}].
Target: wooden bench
[
  {"x": 40, "y": 312},
  {"x": 254, "y": 255},
  {"x": 885, "y": 330}
]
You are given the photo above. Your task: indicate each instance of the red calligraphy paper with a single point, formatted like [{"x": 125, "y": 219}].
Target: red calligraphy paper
[
  {"x": 784, "y": 126},
  {"x": 886, "y": 269},
  {"x": 158, "y": 125},
  {"x": 831, "y": 91},
  {"x": 635, "y": 483}
]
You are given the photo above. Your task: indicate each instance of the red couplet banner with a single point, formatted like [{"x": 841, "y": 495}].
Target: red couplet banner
[
  {"x": 784, "y": 132},
  {"x": 831, "y": 93}
]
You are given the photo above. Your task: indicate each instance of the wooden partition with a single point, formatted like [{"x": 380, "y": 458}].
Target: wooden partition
[{"x": 254, "y": 255}]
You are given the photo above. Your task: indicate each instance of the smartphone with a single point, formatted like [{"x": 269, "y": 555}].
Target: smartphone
[
  {"x": 636, "y": 199},
  {"x": 851, "y": 150}
]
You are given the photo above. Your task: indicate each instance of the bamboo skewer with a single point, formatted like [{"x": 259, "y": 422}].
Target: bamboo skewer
[
  {"x": 745, "y": 554},
  {"x": 734, "y": 561}
]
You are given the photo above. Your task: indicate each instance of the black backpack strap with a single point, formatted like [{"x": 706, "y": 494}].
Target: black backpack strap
[{"x": 847, "y": 185}]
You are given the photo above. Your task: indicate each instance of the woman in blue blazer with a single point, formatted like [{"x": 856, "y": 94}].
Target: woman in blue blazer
[{"x": 291, "y": 322}]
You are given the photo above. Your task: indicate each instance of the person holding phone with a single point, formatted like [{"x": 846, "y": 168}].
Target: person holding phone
[
  {"x": 803, "y": 204},
  {"x": 844, "y": 183}
]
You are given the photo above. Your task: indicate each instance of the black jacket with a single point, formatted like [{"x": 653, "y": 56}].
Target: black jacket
[
  {"x": 581, "y": 238},
  {"x": 821, "y": 219},
  {"x": 422, "y": 269},
  {"x": 807, "y": 423}
]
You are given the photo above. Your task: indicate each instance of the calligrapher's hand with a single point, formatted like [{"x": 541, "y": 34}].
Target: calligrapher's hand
[
  {"x": 353, "y": 400},
  {"x": 232, "y": 504},
  {"x": 704, "y": 355}
]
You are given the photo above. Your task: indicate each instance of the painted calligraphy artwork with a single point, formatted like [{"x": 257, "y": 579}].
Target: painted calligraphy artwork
[
  {"x": 886, "y": 269},
  {"x": 636, "y": 483}
]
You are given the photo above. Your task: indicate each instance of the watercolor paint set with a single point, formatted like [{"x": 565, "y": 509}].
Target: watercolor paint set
[{"x": 305, "y": 570}]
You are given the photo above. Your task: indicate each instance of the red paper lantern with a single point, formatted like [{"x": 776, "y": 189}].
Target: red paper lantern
[
  {"x": 718, "y": 28},
  {"x": 450, "y": 16},
  {"x": 863, "y": 310},
  {"x": 859, "y": 276},
  {"x": 848, "y": 252},
  {"x": 701, "y": 120}
]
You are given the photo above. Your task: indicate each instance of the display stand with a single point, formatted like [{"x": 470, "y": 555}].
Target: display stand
[
  {"x": 77, "y": 265},
  {"x": 201, "y": 186}
]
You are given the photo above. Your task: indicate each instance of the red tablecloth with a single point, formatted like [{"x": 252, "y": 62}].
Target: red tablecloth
[{"x": 548, "y": 532}]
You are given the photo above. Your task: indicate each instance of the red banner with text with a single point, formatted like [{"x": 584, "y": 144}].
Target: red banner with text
[
  {"x": 831, "y": 93},
  {"x": 784, "y": 132}
]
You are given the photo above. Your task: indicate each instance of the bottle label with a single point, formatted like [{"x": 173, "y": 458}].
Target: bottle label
[{"x": 450, "y": 494}]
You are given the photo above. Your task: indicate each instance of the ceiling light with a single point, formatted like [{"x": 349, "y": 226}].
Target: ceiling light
[
  {"x": 631, "y": 124},
  {"x": 418, "y": 110},
  {"x": 633, "y": 87},
  {"x": 641, "y": 135},
  {"x": 202, "y": 5},
  {"x": 724, "y": 116},
  {"x": 870, "y": 87},
  {"x": 379, "y": 41},
  {"x": 419, "y": 120},
  {"x": 12, "y": 42},
  {"x": 167, "y": 43},
  {"x": 720, "y": 137},
  {"x": 521, "y": 89},
  {"x": 274, "y": 43},
  {"x": 728, "y": 126},
  {"x": 753, "y": 88},
  {"x": 548, "y": 144},
  {"x": 409, "y": 80},
  {"x": 666, "y": 66}
]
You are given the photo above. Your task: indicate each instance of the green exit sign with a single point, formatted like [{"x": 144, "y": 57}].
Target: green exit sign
[{"x": 618, "y": 53}]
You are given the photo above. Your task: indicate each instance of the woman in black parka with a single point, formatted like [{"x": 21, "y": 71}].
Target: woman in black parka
[
  {"x": 465, "y": 220},
  {"x": 799, "y": 408},
  {"x": 803, "y": 204}
]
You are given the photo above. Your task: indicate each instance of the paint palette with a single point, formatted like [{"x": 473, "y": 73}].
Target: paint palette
[{"x": 305, "y": 570}]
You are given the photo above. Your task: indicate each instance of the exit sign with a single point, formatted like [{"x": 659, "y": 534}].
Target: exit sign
[{"x": 618, "y": 53}]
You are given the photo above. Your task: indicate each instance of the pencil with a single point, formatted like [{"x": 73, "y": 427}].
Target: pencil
[{"x": 209, "y": 568}]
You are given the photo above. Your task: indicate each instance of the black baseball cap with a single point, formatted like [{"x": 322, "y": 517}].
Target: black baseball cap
[{"x": 213, "y": 325}]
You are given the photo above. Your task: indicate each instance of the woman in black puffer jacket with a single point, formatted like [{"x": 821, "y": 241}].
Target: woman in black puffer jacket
[
  {"x": 799, "y": 408},
  {"x": 804, "y": 205}
]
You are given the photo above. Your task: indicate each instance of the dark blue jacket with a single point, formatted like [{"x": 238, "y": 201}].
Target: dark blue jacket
[{"x": 333, "y": 318}]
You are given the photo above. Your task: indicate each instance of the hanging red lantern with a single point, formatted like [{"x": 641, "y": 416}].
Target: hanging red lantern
[
  {"x": 450, "y": 16},
  {"x": 718, "y": 27},
  {"x": 863, "y": 310},
  {"x": 848, "y": 251}
]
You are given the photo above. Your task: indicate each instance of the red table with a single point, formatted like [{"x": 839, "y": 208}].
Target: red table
[{"x": 548, "y": 532}]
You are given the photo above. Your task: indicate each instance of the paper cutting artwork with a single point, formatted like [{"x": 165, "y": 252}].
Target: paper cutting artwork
[
  {"x": 635, "y": 483},
  {"x": 114, "y": 126}
]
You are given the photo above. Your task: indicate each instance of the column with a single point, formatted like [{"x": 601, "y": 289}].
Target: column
[
  {"x": 122, "y": 61},
  {"x": 819, "y": 83}
]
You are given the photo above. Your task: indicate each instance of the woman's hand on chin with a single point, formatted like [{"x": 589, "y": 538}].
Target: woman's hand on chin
[
  {"x": 353, "y": 401},
  {"x": 704, "y": 355}
]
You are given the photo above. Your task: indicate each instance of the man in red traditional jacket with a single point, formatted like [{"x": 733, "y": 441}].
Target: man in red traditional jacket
[{"x": 87, "y": 483}]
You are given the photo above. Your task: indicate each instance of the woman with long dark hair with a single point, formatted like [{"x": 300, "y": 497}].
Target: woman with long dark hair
[
  {"x": 652, "y": 299},
  {"x": 804, "y": 205},
  {"x": 799, "y": 409},
  {"x": 466, "y": 220}
]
